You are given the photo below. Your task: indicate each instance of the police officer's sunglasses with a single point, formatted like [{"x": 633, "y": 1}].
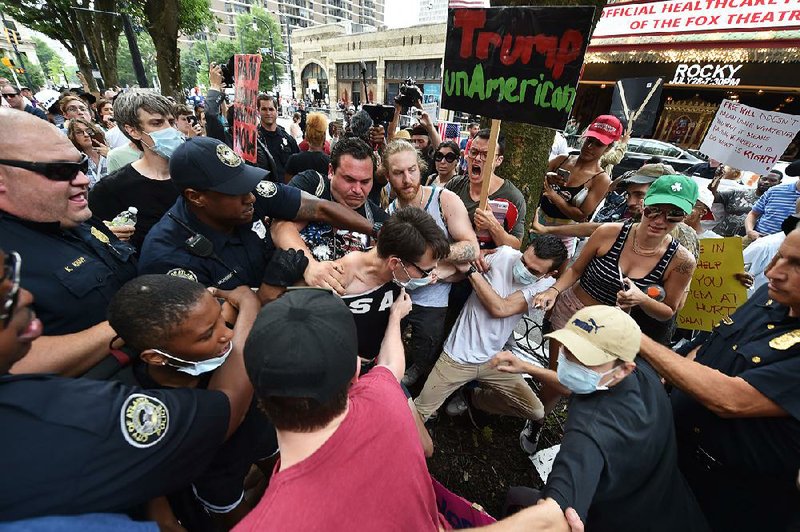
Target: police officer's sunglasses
[
  {"x": 11, "y": 273},
  {"x": 55, "y": 171}
]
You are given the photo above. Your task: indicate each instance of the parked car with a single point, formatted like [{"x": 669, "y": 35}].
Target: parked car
[{"x": 640, "y": 150}]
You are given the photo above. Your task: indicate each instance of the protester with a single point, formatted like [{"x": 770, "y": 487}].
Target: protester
[
  {"x": 760, "y": 253},
  {"x": 313, "y": 157},
  {"x": 138, "y": 444},
  {"x": 402, "y": 165},
  {"x": 575, "y": 184},
  {"x": 16, "y": 100},
  {"x": 147, "y": 120},
  {"x": 89, "y": 140},
  {"x": 482, "y": 329},
  {"x": 275, "y": 145},
  {"x": 702, "y": 212},
  {"x": 73, "y": 107},
  {"x": 735, "y": 406},
  {"x": 74, "y": 263},
  {"x": 446, "y": 160},
  {"x": 294, "y": 128},
  {"x": 737, "y": 202},
  {"x": 770, "y": 210},
  {"x": 464, "y": 145},
  {"x": 617, "y": 465},
  {"x": 186, "y": 122}
]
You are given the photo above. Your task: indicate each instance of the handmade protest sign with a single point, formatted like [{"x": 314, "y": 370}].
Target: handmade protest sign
[
  {"x": 635, "y": 102},
  {"x": 714, "y": 293},
  {"x": 515, "y": 63},
  {"x": 245, "y": 112},
  {"x": 748, "y": 138}
]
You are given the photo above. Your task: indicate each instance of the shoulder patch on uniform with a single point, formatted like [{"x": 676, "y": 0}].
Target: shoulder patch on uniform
[
  {"x": 266, "y": 189},
  {"x": 184, "y": 274},
  {"x": 144, "y": 420},
  {"x": 99, "y": 235},
  {"x": 227, "y": 156},
  {"x": 785, "y": 341}
]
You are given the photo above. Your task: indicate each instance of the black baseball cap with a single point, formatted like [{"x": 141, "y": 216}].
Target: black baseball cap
[
  {"x": 304, "y": 344},
  {"x": 203, "y": 163}
]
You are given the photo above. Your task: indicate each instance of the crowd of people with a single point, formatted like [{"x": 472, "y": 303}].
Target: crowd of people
[{"x": 188, "y": 341}]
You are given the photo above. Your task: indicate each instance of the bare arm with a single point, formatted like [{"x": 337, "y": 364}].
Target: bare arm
[
  {"x": 583, "y": 229},
  {"x": 231, "y": 378},
  {"x": 508, "y": 362},
  {"x": 750, "y": 224},
  {"x": 495, "y": 305},
  {"x": 313, "y": 208},
  {"x": 545, "y": 516},
  {"x": 424, "y": 435},
  {"x": 69, "y": 355},
  {"x": 392, "y": 354},
  {"x": 725, "y": 396},
  {"x": 596, "y": 193},
  {"x": 398, "y": 109},
  {"x": 465, "y": 248}
]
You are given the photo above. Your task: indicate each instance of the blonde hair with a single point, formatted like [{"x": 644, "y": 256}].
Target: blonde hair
[
  {"x": 398, "y": 146},
  {"x": 316, "y": 126}
]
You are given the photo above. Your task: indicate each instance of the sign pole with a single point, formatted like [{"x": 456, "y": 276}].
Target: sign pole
[{"x": 486, "y": 174}]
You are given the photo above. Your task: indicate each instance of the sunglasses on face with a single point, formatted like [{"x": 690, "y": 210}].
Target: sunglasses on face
[
  {"x": 11, "y": 272},
  {"x": 449, "y": 157},
  {"x": 425, "y": 273},
  {"x": 672, "y": 215},
  {"x": 9, "y": 95},
  {"x": 56, "y": 171}
]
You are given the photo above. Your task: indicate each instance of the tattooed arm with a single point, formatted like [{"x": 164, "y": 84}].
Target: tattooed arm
[
  {"x": 464, "y": 248},
  {"x": 335, "y": 214}
]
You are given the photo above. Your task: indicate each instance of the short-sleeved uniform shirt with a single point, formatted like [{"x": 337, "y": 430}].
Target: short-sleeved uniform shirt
[
  {"x": 759, "y": 343},
  {"x": 617, "y": 466},
  {"x": 75, "y": 446},
  {"x": 128, "y": 188},
  {"x": 281, "y": 146},
  {"x": 507, "y": 191},
  {"x": 72, "y": 274},
  {"x": 325, "y": 242},
  {"x": 774, "y": 206},
  {"x": 239, "y": 258}
]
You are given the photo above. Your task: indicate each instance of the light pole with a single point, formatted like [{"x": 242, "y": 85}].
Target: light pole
[{"x": 271, "y": 52}]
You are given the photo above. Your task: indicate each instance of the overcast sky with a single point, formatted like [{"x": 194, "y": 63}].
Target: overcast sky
[{"x": 401, "y": 13}]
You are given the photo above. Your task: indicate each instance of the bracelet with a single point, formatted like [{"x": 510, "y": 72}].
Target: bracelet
[{"x": 556, "y": 289}]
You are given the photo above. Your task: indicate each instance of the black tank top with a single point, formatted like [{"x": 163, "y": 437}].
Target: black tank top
[
  {"x": 568, "y": 193},
  {"x": 370, "y": 311}
]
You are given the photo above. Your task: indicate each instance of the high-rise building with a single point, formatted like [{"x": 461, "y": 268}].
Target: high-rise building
[{"x": 432, "y": 11}]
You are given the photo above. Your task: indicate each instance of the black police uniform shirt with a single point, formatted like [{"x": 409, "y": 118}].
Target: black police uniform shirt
[
  {"x": 72, "y": 274},
  {"x": 239, "y": 258},
  {"x": 759, "y": 343},
  {"x": 308, "y": 160},
  {"x": 322, "y": 240},
  {"x": 281, "y": 146},
  {"x": 617, "y": 466},
  {"x": 128, "y": 188},
  {"x": 221, "y": 486},
  {"x": 75, "y": 446},
  {"x": 370, "y": 311}
]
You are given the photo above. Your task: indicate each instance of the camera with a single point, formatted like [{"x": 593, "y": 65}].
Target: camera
[
  {"x": 227, "y": 73},
  {"x": 409, "y": 94},
  {"x": 380, "y": 114}
]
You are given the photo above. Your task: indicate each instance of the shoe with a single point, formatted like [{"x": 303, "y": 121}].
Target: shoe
[
  {"x": 457, "y": 405},
  {"x": 529, "y": 437},
  {"x": 411, "y": 375}
]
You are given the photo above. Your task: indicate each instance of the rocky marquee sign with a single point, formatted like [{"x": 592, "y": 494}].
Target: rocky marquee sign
[
  {"x": 709, "y": 74},
  {"x": 689, "y": 16}
]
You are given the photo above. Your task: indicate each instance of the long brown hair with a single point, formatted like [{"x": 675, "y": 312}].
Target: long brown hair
[{"x": 95, "y": 132}]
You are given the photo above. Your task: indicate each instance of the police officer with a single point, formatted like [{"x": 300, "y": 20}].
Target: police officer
[
  {"x": 116, "y": 446},
  {"x": 217, "y": 233},
  {"x": 274, "y": 142},
  {"x": 737, "y": 409},
  {"x": 74, "y": 263}
]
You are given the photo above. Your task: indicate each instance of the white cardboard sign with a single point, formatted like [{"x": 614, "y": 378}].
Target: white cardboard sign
[{"x": 748, "y": 138}]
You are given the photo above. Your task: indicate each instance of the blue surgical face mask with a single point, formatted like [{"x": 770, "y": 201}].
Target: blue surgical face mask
[
  {"x": 196, "y": 369},
  {"x": 166, "y": 141},
  {"x": 577, "y": 378},
  {"x": 412, "y": 284},
  {"x": 522, "y": 275}
]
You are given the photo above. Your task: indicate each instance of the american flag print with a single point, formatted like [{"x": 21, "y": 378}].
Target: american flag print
[{"x": 449, "y": 130}]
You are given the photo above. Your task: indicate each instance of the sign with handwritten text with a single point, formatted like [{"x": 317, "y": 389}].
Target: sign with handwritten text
[
  {"x": 245, "y": 112},
  {"x": 714, "y": 293},
  {"x": 515, "y": 63},
  {"x": 748, "y": 138}
]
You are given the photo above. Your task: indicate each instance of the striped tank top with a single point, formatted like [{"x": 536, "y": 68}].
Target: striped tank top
[{"x": 600, "y": 279}]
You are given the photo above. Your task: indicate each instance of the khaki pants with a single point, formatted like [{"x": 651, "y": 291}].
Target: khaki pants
[{"x": 499, "y": 393}]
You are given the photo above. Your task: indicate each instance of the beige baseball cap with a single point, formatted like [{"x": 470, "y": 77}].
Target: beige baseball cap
[{"x": 599, "y": 334}]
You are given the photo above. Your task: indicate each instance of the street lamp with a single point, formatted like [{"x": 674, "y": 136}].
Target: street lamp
[{"x": 271, "y": 51}]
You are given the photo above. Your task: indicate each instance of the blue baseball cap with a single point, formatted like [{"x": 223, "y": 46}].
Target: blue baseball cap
[{"x": 203, "y": 163}]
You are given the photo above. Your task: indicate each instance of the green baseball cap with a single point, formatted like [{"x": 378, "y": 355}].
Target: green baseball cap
[{"x": 675, "y": 189}]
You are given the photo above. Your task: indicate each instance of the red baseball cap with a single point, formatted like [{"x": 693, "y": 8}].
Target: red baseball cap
[{"x": 605, "y": 128}]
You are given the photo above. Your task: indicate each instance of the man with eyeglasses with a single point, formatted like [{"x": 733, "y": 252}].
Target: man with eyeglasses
[
  {"x": 500, "y": 298},
  {"x": 74, "y": 263},
  {"x": 17, "y": 101}
]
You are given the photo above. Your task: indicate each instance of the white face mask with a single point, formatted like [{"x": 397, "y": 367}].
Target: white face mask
[
  {"x": 412, "y": 283},
  {"x": 196, "y": 369},
  {"x": 522, "y": 275}
]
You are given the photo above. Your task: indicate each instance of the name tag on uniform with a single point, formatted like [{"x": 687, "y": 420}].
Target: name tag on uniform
[
  {"x": 785, "y": 341},
  {"x": 259, "y": 229}
]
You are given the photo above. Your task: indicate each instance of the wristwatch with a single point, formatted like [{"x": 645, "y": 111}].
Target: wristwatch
[{"x": 472, "y": 269}]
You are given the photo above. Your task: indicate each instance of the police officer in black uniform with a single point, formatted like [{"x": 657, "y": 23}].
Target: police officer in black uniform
[
  {"x": 217, "y": 232},
  {"x": 737, "y": 407},
  {"x": 273, "y": 140},
  {"x": 74, "y": 263},
  {"x": 76, "y": 446}
]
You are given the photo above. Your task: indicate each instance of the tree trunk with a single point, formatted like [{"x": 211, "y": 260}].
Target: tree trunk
[
  {"x": 528, "y": 147},
  {"x": 162, "y": 24},
  {"x": 102, "y": 30}
]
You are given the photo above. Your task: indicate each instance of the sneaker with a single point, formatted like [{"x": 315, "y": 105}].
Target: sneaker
[
  {"x": 411, "y": 375},
  {"x": 457, "y": 405},
  {"x": 529, "y": 437}
]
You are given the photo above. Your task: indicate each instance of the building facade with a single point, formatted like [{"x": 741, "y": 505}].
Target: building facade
[{"x": 432, "y": 12}]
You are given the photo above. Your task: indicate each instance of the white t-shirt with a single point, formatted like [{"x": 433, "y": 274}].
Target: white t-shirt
[
  {"x": 116, "y": 138},
  {"x": 477, "y": 336}
]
